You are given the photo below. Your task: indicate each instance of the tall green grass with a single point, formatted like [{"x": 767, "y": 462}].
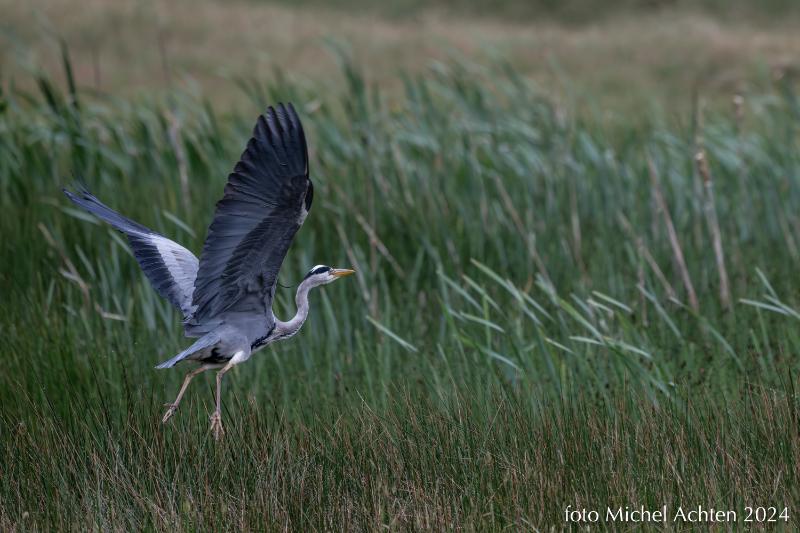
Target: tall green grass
[{"x": 519, "y": 336}]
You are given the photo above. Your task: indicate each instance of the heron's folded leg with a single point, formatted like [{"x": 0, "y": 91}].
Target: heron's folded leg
[
  {"x": 216, "y": 418},
  {"x": 172, "y": 407}
]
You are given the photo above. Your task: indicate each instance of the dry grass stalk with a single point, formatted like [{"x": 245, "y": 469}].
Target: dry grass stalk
[
  {"x": 713, "y": 226},
  {"x": 738, "y": 110},
  {"x": 577, "y": 239},
  {"x": 644, "y": 252},
  {"x": 527, "y": 236},
  {"x": 71, "y": 273},
  {"x": 677, "y": 251},
  {"x": 377, "y": 243},
  {"x": 374, "y": 239},
  {"x": 68, "y": 271},
  {"x": 351, "y": 256}
]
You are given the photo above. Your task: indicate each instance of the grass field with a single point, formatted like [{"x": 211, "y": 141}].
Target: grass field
[
  {"x": 628, "y": 56},
  {"x": 549, "y": 311}
]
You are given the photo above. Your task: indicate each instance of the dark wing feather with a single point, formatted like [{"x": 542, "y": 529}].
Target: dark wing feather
[
  {"x": 170, "y": 267},
  {"x": 266, "y": 199}
]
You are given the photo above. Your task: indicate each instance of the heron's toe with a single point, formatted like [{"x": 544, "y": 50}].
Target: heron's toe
[
  {"x": 216, "y": 426},
  {"x": 171, "y": 408}
]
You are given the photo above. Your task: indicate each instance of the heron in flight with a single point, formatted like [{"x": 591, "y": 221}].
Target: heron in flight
[{"x": 226, "y": 296}]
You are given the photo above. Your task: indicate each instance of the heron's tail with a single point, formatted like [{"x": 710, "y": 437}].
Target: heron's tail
[{"x": 203, "y": 343}]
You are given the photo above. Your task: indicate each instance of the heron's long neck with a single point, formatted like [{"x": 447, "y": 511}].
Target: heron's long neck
[{"x": 287, "y": 329}]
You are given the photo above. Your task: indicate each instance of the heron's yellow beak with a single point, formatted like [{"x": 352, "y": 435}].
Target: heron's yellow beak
[{"x": 342, "y": 272}]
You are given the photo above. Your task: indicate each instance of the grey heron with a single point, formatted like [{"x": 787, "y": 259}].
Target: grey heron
[{"x": 226, "y": 296}]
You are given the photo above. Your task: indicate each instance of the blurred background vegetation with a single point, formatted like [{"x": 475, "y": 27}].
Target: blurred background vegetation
[
  {"x": 616, "y": 55},
  {"x": 576, "y": 228}
]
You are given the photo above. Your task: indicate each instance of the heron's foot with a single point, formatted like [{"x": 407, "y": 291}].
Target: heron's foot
[
  {"x": 216, "y": 425},
  {"x": 171, "y": 408}
]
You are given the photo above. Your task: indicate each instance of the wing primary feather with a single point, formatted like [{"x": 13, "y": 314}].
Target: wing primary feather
[
  {"x": 264, "y": 203},
  {"x": 170, "y": 268}
]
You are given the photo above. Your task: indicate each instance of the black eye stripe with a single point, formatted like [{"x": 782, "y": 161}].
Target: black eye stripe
[{"x": 318, "y": 270}]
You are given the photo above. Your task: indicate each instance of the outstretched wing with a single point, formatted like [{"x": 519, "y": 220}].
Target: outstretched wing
[
  {"x": 266, "y": 199},
  {"x": 170, "y": 267}
]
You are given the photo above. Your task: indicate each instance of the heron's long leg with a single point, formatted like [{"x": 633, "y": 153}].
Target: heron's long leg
[
  {"x": 216, "y": 418},
  {"x": 172, "y": 407}
]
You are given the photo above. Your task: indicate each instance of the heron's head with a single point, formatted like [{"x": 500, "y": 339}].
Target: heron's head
[{"x": 322, "y": 275}]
